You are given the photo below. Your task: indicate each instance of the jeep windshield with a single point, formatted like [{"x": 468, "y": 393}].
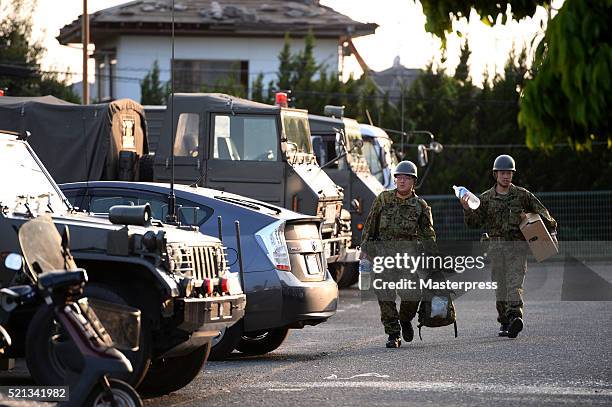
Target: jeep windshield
[
  {"x": 26, "y": 186},
  {"x": 297, "y": 131}
]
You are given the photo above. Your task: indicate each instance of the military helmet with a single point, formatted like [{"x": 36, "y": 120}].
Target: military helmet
[
  {"x": 504, "y": 163},
  {"x": 406, "y": 168}
]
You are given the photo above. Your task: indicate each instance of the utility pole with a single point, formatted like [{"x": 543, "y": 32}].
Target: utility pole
[{"x": 85, "y": 32}]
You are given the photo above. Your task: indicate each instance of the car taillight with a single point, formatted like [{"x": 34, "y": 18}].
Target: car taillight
[
  {"x": 272, "y": 240},
  {"x": 207, "y": 286}
]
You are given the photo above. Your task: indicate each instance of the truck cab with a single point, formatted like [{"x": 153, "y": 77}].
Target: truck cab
[
  {"x": 339, "y": 147},
  {"x": 256, "y": 150}
]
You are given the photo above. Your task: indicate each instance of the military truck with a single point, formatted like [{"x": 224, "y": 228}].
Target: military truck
[
  {"x": 256, "y": 150},
  {"x": 379, "y": 153},
  {"x": 221, "y": 142},
  {"x": 338, "y": 146},
  {"x": 177, "y": 277}
]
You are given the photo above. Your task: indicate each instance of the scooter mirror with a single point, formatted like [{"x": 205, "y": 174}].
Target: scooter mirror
[{"x": 13, "y": 261}]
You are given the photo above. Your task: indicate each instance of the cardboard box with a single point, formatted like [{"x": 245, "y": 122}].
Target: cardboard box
[{"x": 540, "y": 242}]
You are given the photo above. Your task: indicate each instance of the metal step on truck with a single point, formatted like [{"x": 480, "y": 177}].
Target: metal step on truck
[{"x": 256, "y": 150}]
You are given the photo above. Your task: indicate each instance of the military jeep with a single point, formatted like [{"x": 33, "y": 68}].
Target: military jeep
[{"x": 177, "y": 277}]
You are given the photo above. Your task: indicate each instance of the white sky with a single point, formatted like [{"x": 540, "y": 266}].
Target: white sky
[{"x": 401, "y": 32}]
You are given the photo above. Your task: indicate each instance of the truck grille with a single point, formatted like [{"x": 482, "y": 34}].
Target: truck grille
[{"x": 199, "y": 262}]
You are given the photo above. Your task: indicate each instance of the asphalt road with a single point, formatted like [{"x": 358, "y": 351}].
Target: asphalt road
[{"x": 563, "y": 357}]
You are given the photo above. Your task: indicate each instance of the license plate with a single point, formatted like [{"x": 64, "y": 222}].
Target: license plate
[
  {"x": 312, "y": 265},
  {"x": 226, "y": 310}
]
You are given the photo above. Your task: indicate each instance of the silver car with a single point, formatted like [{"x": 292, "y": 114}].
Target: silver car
[{"x": 286, "y": 278}]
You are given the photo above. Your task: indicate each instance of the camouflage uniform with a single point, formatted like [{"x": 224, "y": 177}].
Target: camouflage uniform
[
  {"x": 500, "y": 215},
  {"x": 400, "y": 221}
]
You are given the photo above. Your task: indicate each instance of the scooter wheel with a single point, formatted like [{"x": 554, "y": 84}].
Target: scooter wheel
[{"x": 123, "y": 393}]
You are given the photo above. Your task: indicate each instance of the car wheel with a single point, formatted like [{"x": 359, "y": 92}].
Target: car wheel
[
  {"x": 262, "y": 342},
  {"x": 170, "y": 374},
  {"x": 345, "y": 274},
  {"x": 225, "y": 343}
]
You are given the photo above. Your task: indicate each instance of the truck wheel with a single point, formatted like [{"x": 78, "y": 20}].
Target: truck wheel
[
  {"x": 224, "y": 344},
  {"x": 49, "y": 349},
  {"x": 170, "y": 374},
  {"x": 345, "y": 274},
  {"x": 145, "y": 168},
  {"x": 262, "y": 342}
]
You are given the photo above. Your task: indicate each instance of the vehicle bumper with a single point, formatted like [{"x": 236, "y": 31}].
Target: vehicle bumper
[
  {"x": 209, "y": 314},
  {"x": 307, "y": 303}
]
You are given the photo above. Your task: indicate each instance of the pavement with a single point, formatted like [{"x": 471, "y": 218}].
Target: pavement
[{"x": 563, "y": 357}]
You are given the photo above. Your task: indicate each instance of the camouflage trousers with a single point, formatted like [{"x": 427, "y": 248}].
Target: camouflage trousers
[
  {"x": 409, "y": 304},
  {"x": 508, "y": 269}
]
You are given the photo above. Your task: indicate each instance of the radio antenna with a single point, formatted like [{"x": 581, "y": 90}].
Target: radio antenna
[{"x": 172, "y": 218}]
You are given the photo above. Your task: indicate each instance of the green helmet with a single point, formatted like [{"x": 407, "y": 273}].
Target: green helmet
[
  {"x": 406, "y": 168},
  {"x": 504, "y": 163}
]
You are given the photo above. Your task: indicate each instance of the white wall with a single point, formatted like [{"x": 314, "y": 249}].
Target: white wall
[{"x": 135, "y": 56}]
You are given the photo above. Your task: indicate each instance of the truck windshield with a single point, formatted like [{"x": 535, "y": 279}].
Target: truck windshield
[
  {"x": 297, "y": 131},
  {"x": 373, "y": 158},
  {"x": 26, "y": 182}
]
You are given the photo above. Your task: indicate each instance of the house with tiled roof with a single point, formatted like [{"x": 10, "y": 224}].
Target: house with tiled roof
[{"x": 213, "y": 39}]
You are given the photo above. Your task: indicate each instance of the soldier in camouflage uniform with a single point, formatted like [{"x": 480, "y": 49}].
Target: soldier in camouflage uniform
[
  {"x": 398, "y": 216},
  {"x": 499, "y": 214}
]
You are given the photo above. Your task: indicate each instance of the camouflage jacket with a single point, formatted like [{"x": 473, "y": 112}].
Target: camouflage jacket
[
  {"x": 500, "y": 215},
  {"x": 399, "y": 220}
]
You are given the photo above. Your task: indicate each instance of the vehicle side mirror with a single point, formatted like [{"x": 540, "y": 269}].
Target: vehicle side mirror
[
  {"x": 14, "y": 262},
  {"x": 422, "y": 155},
  {"x": 356, "y": 205}
]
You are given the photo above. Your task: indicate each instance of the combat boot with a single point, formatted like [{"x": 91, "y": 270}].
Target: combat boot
[
  {"x": 515, "y": 326},
  {"x": 503, "y": 330},
  {"x": 394, "y": 341},
  {"x": 407, "y": 331}
]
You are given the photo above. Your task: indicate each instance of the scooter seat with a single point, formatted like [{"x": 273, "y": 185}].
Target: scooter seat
[{"x": 62, "y": 278}]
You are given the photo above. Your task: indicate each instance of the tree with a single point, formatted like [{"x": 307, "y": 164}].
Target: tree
[
  {"x": 20, "y": 56},
  {"x": 575, "y": 54},
  {"x": 570, "y": 96},
  {"x": 151, "y": 89}
]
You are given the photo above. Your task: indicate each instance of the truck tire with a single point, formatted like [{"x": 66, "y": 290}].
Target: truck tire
[
  {"x": 223, "y": 345},
  {"x": 45, "y": 337},
  {"x": 145, "y": 168},
  {"x": 345, "y": 274},
  {"x": 262, "y": 342},
  {"x": 171, "y": 374}
]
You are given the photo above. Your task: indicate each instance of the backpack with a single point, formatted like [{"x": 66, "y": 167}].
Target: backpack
[{"x": 436, "y": 309}]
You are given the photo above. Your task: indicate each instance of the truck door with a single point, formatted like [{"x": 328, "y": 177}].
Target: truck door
[
  {"x": 188, "y": 151},
  {"x": 244, "y": 156}
]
